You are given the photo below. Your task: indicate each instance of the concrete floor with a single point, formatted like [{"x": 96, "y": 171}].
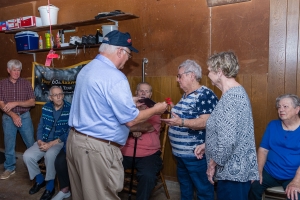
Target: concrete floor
[{"x": 17, "y": 186}]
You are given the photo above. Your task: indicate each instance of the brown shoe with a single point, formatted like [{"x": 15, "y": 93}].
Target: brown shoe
[{"x": 6, "y": 174}]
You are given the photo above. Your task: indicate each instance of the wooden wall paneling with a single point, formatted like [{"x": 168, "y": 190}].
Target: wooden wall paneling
[
  {"x": 176, "y": 91},
  {"x": 166, "y": 82},
  {"x": 156, "y": 85},
  {"x": 291, "y": 46},
  {"x": 134, "y": 81},
  {"x": 211, "y": 3},
  {"x": 247, "y": 84},
  {"x": 259, "y": 86},
  {"x": 298, "y": 63},
  {"x": 277, "y": 41}
]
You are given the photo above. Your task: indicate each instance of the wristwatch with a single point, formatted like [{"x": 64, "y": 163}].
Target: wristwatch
[
  {"x": 58, "y": 139},
  {"x": 182, "y": 122}
]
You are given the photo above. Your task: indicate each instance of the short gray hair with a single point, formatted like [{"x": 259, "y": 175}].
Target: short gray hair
[
  {"x": 14, "y": 63},
  {"x": 143, "y": 83},
  {"x": 192, "y": 66},
  {"x": 227, "y": 62},
  {"x": 295, "y": 99},
  {"x": 53, "y": 87}
]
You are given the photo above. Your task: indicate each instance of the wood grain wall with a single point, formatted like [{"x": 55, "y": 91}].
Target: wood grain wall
[
  {"x": 167, "y": 33},
  {"x": 284, "y": 54}
]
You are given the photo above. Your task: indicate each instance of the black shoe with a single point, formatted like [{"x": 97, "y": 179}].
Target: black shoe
[
  {"x": 47, "y": 195},
  {"x": 37, "y": 187}
]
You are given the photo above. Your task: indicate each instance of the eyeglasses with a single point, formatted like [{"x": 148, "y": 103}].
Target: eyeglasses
[
  {"x": 179, "y": 75},
  {"x": 146, "y": 91},
  {"x": 129, "y": 54},
  {"x": 57, "y": 95}
]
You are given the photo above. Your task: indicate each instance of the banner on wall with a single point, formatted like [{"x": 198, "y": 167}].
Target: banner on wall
[{"x": 43, "y": 78}]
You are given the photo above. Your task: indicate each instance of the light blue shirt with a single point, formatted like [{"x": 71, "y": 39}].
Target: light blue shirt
[{"x": 102, "y": 103}]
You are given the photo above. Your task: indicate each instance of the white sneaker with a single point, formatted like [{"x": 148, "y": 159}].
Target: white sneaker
[
  {"x": 61, "y": 195},
  {"x": 6, "y": 174}
]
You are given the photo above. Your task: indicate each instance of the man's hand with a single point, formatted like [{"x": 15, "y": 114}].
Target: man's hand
[
  {"x": 9, "y": 106},
  {"x": 199, "y": 151},
  {"x": 136, "y": 101},
  {"x": 136, "y": 134},
  {"x": 40, "y": 143},
  {"x": 17, "y": 120},
  {"x": 47, "y": 145},
  {"x": 160, "y": 107}
]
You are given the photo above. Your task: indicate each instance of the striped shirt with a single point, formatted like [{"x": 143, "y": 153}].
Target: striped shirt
[
  {"x": 184, "y": 140},
  {"x": 19, "y": 91}
]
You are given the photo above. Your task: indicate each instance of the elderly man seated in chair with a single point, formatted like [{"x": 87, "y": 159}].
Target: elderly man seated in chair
[
  {"x": 52, "y": 129},
  {"x": 279, "y": 151},
  {"x": 147, "y": 160}
]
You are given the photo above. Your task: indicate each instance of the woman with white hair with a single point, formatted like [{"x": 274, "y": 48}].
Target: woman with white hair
[{"x": 187, "y": 130}]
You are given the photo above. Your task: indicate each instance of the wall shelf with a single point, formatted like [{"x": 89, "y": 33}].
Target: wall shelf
[
  {"x": 67, "y": 26},
  {"x": 60, "y": 49},
  {"x": 73, "y": 25}
]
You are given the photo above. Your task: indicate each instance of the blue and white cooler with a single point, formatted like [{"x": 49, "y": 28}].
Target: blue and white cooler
[{"x": 27, "y": 40}]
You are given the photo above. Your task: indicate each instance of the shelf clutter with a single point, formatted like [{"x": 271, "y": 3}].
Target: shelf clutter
[
  {"x": 73, "y": 25},
  {"x": 67, "y": 26}
]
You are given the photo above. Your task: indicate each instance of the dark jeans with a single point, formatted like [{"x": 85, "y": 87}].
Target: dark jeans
[
  {"x": 147, "y": 168},
  {"x": 61, "y": 168},
  {"x": 258, "y": 189},
  {"x": 233, "y": 190},
  {"x": 191, "y": 173}
]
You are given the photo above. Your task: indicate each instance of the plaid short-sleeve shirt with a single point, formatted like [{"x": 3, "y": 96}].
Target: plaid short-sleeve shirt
[{"x": 19, "y": 91}]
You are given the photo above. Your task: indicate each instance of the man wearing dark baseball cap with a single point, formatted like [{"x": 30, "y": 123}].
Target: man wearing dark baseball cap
[
  {"x": 102, "y": 112},
  {"x": 118, "y": 38}
]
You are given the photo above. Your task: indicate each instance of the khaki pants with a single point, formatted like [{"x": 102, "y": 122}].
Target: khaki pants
[{"x": 95, "y": 168}]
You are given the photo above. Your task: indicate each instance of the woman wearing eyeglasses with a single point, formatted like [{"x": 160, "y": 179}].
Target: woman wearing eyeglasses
[
  {"x": 187, "y": 130},
  {"x": 230, "y": 147}
]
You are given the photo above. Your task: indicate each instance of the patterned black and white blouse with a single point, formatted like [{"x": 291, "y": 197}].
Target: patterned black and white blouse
[{"x": 230, "y": 137}]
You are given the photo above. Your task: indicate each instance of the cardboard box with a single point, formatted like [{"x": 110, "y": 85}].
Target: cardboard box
[
  {"x": 3, "y": 26},
  {"x": 13, "y": 24},
  {"x": 27, "y": 40},
  {"x": 30, "y": 21}
]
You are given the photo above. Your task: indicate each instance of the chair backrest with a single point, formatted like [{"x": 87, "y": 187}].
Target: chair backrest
[{"x": 164, "y": 132}]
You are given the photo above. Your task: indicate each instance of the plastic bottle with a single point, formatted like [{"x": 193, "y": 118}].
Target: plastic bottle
[
  {"x": 52, "y": 41},
  {"x": 41, "y": 45},
  {"x": 97, "y": 36},
  {"x": 62, "y": 36},
  {"x": 57, "y": 40},
  {"x": 48, "y": 42}
]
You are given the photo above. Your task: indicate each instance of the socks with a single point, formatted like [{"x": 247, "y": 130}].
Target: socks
[
  {"x": 50, "y": 185},
  {"x": 39, "y": 178}
]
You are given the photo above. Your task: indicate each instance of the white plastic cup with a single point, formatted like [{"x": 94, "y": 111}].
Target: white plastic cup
[
  {"x": 108, "y": 28},
  {"x": 44, "y": 12}
]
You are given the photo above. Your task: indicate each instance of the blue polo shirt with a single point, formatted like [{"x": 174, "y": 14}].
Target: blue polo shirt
[
  {"x": 102, "y": 103},
  {"x": 283, "y": 158}
]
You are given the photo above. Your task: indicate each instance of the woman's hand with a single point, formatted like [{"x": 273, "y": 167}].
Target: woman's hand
[
  {"x": 174, "y": 121},
  {"x": 292, "y": 190},
  {"x": 211, "y": 171},
  {"x": 199, "y": 151}
]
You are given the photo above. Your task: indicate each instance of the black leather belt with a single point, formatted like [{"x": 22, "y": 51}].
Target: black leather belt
[{"x": 101, "y": 140}]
